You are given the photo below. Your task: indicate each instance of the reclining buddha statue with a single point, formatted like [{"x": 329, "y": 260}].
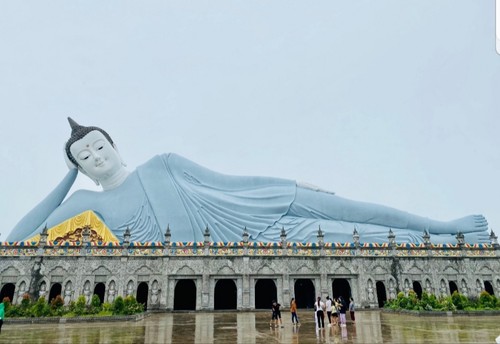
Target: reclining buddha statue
[{"x": 172, "y": 191}]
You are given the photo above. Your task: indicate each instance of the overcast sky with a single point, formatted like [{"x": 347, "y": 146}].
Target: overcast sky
[{"x": 389, "y": 101}]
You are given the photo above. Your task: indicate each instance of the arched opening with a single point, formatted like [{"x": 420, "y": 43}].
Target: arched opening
[
  {"x": 489, "y": 287},
  {"x": 453, "y": 287},
  {"x": 265, "y": 293},
  {"x": 305, "y": 293},
  {"x": 341, "y": 287},
  {"x": 417, "y": 288},
  {"x": 142, "y": 294},
  {"x": 381, "y": 294},
  {"x": 99, "y": 290},
  {"x": 54, "y": 291},
  {"x": 225, "y": 294},
  {"x": 185, "y": 295},
  {"x": 8, "y": 291}
]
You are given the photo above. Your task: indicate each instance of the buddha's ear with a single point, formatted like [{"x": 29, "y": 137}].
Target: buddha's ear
[
  {"x": 118, "y": 152},
  {"x": 69, "y": 163}
]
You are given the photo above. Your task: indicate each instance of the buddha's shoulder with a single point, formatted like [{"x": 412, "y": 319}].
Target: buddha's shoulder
[{"x": 170, "y": 159}]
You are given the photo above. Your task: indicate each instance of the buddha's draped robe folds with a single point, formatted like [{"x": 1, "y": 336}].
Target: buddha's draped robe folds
[{"x": 172, "y": 191}]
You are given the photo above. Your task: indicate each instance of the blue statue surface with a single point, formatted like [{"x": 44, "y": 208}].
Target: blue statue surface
[{"x": 172, "y": 191}]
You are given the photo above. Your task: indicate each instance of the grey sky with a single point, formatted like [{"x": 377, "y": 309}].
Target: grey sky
[{"x": 392, "y": 102}]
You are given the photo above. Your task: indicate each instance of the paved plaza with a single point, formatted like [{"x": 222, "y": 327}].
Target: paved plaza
[{"x": 253, "y": 327}]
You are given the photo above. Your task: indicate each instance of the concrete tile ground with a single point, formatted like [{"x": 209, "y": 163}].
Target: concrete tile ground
[{"x": 253, "y": 327}]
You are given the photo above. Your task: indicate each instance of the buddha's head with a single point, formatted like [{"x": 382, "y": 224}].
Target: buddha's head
[{"x": 93, "y": 152}]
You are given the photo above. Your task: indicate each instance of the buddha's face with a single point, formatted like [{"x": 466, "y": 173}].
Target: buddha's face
[{"x": 96, "y": 156}]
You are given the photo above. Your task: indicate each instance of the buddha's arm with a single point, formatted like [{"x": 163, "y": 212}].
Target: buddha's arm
[{"x": 38, "y": 215}]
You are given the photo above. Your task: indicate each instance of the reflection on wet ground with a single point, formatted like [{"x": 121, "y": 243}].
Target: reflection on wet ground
[{"x": 253, "y": 327}]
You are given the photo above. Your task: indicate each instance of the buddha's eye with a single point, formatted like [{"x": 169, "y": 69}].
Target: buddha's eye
[{"x": 100, "y": 147}]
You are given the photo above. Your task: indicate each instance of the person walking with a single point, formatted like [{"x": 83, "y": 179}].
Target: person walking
[
  {"x": 343, "y": 310},
  {"x": 351, "y": 309},
  {"x": 319, "y": 306},
  {"x": 293, "y": 310},
  {"x": 328, "y": 305}
]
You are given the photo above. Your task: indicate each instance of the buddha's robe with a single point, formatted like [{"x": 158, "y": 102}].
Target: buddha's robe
[{"x": 170, "y": 190}]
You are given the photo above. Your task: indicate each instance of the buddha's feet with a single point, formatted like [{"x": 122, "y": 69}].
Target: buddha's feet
[
  {"x": 477, "y": 238},
  {"x": 468, "y": 224}
]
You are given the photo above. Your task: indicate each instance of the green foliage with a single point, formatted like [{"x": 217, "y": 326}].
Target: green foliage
[
  {"x": 487, "y": 301},
  {"x": 131, "y": 306},
  {"x": 118, "y": 305},
  {"x": 80, "y": 307},
  {"x": 107, "y": 307},
  {"x": 95, "y": 305},
  {"x": 460, "y": 301},
  {"x": 6, "y": 304},
  {"x": 26, "y": 301},
  {"x": 57, "y": 302},
  {"x": 40, "y": 308},
  {"x": 456, "y": 301}
]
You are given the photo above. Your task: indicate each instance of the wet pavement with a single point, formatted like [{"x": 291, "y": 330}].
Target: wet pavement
[{"x": 253, "y": 327}]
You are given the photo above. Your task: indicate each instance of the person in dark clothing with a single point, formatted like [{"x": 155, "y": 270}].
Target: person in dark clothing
[
  {"x": 276, "y": 316},
  {"x": 343, "y": 310}
]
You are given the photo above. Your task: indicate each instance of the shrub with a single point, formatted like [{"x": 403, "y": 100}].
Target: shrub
[
  {"x": 486, "y": 301},
  {"x": 40, "y": 308},
  {"x": 95, "y": 304},
  {"x": 107, "y": 307},
  {"x": 447, "y": 304},
  {"x": 131, "y": 306},
  {"x": 80, "y": 306},
  {"x": 459, "y": 300},
  {"x": 118, "y": 305},
  {"x": 26, "y": 301},
  {"x": 57, "y": 302}
]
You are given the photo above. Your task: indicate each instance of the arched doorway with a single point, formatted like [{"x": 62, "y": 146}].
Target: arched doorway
[
  {"x": 417, "y": 288},
  {"x": 341, "y": 287},
  {"x": 142, "y": 294},
  {"x": 185, "y": 295},
  {"x": 265, "y": 293},
  {"x": 54, "y": 291},
  {"x": 381, "y": 294},
  {"x": 99, "y": 290},
  {"x": 8, "y": 291},
  {"x": 453, "y": 287},
  {"x": 489, "y": 287},
  {"x": 305, "y": 293},
  {"x": 225, "y": 294}
]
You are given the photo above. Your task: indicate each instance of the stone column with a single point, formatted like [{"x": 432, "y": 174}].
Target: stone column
[{"x": 205, "y": 291}]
